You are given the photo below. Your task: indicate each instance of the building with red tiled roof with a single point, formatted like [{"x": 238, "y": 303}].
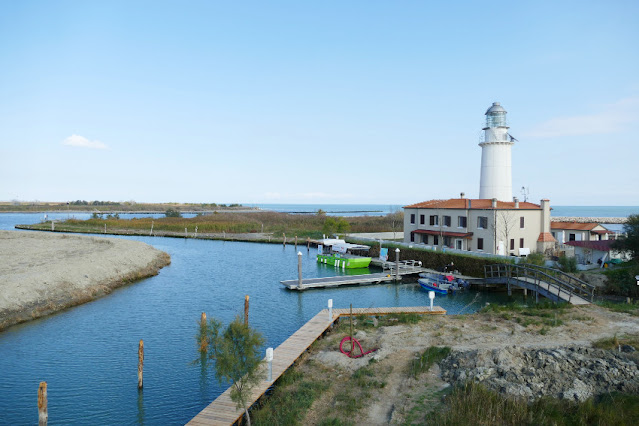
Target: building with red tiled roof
[
  {"x": 575, "y": 231},
  {"x": 485, "y": 225},
  {"x": 590, "y": 252}
]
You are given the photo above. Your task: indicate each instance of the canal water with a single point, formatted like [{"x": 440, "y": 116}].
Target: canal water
[{"x": 88, "y": 354}]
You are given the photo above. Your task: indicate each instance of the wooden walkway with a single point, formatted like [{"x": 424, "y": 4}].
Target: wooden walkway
[
  {"x": 222, "y": 411},
  {"x": 340, "y": 280}
]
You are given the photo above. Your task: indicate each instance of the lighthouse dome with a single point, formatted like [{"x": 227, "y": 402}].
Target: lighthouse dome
[{"x": 496, "y": 107}]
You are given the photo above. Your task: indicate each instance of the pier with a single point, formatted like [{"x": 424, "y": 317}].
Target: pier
[
  {"x": 223, "y": 411},
  {"x": 391, "y": 272}
]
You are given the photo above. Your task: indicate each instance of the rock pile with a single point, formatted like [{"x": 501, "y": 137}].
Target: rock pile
[{"x": 574, "y": 373}]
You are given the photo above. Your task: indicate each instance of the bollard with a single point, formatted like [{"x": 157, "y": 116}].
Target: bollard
[
  {"x": 299, "y": 269},
  {"x": 431, "y": 296},
  {"x": 269, "y": 360},
  {"x": 330, "y": 310},
  {"x": 140, "y": 363},
  {"x": 246, "y": 309},
  {"x": 43, "y": 414},
  {"x": 397, "y": 264}
]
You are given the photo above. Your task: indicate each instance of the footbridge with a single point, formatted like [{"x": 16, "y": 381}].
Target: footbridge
[{"x": 551, "y": 283}]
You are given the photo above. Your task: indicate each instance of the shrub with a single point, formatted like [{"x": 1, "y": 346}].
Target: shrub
[
  {"x": 568, "y": 264},
  {"x": 171, "y": 212}
]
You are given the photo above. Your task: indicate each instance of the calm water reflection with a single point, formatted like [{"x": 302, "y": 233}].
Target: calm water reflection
[{"x": 88, "y": 354}]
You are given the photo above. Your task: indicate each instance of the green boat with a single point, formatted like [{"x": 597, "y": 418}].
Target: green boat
[{"x": 340, "y": 254}]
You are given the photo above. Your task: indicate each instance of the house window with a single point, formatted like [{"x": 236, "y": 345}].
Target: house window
[
  {"x": 461, "y": 221},
  {"x": 521, "y": 243},
  {"x": 482, "y": 222},
  {"x": 425, "y": 239},
  {"x": 521, "y": 222},
  {"x": 553, "y": 235},
  {"x": 446, "y": 220},
  {"x": 412, "y": 219},
  {"x": 412, "y": 237},
  {"x": 435, "y": 240},
  {"x": 571, "y": 237},
  {"x": 458, "y": 244},
  {"x": 480, "y": 243},
  {"x": 512, "y": 244},
  {"x": 434, "y": 220},
  {"x": 447, "y": 241},
  {"x": 422, "y": 219}
]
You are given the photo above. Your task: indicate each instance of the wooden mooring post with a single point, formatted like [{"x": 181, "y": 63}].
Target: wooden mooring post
[
  {"x": 396, "y": 264},
  {"x": 284, "y": 239},
  {"x": 296, "y": 242},
  {"x": 203, "y": 340},
  {"x": 299, "y": 269},
  {"x": 246, "y": 309},
  {"x": 43, "y": 414},
  {"x": 140, "y": 363},
  {"x": 308, "y": 243}
]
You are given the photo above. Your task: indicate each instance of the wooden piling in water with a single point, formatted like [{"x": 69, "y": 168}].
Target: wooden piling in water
[
  {"x": 140, "y": 363},
  {"x": 203, "y": 340},
  {"x": 296, "y": 242},
  {"x": 308, "y": 243},
  {"x": 284, "y": 239},
  {"x": 43, "y": 414},
  {"x": 246, "y": 309}
]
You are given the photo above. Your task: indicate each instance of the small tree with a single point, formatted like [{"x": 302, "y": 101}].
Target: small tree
[
  {"x": 631, "y": 241},
  {"x": 171, "y": 212},
  {"x": 330, "y": 226},
  {"x": 237, "y": 355}
]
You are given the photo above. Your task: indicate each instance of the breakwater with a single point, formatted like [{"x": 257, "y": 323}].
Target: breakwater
[{"x": 613, "y": 220}]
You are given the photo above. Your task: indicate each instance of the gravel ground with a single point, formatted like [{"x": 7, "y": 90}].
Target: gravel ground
[{"x": 41, "y": 273}]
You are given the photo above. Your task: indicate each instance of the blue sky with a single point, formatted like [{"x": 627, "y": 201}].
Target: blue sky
[{"x": 315, "y": 102}]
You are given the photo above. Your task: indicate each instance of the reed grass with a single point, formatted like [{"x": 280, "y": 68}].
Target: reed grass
[{"x": 275, "y": 223}]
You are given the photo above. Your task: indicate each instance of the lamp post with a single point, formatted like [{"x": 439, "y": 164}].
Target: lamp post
[
  {"x": 330, "y": 310},
  {"x": 269, "y": 360}
]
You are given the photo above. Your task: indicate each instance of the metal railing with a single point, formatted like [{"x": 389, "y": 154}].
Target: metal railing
[{"x": 544, "y": 278}]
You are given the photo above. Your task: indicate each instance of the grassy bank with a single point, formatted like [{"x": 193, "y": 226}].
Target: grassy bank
[
  {"x": 275, "y": 223},
  {"x": 112, "y": 206}
]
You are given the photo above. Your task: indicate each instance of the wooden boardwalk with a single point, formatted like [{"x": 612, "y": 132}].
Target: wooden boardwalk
[
  {"x": 222, "y": 411},
  {"x": 365, "y": 279}
]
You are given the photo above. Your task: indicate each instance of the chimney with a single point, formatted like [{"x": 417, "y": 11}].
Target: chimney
[
  {"x": 516, "y": 200},
  {"x": 494, "y": 203},
  {"x": 462, "y": 195},
  {"x": 545, "y": 215}
]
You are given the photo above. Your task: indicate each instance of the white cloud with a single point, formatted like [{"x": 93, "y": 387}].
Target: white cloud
[
  {"x": 82, "y": 142},
  {"x": 613, "y": 118}
]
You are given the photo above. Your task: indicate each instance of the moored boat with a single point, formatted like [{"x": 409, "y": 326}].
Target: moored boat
[
  {"x": 441, "y": 284},
  {"x": 339, "y": 253}
]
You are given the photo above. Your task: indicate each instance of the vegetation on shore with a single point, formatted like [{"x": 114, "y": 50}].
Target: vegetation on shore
[
  {"x": 110, "y": 206},
  {"x": 276, "y": 223}
]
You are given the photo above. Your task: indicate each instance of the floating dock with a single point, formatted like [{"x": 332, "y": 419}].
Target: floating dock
[{"x": 222, "y": 411}]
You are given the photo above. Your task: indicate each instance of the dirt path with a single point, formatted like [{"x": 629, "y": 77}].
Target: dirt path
[{"x": 41, "y": 273}]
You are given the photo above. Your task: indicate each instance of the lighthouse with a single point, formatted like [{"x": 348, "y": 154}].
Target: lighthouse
[{"x": 496, "y": 176}]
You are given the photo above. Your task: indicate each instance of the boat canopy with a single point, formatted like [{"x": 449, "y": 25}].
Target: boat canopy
[{"x": 344, "y": 247}]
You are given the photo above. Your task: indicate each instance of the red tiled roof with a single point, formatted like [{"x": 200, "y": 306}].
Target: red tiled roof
[
  {"x": 602, "y": 245},
  {"x": 573, "y": 225},
  {"x": 467, "y": 203},
  {"x": 545, "y": 237},
  {"x": 444, "y": 233}
]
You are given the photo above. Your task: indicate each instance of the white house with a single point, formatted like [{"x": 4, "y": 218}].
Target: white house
[
  {"x": 490, "y": 226},
  {"x": 575, "y": 231}
]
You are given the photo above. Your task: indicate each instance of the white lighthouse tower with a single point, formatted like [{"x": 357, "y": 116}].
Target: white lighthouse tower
[{"x": 496, "y": 175}]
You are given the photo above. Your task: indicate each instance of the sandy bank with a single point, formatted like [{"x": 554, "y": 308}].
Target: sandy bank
[{"x": 41, "y": 273}]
